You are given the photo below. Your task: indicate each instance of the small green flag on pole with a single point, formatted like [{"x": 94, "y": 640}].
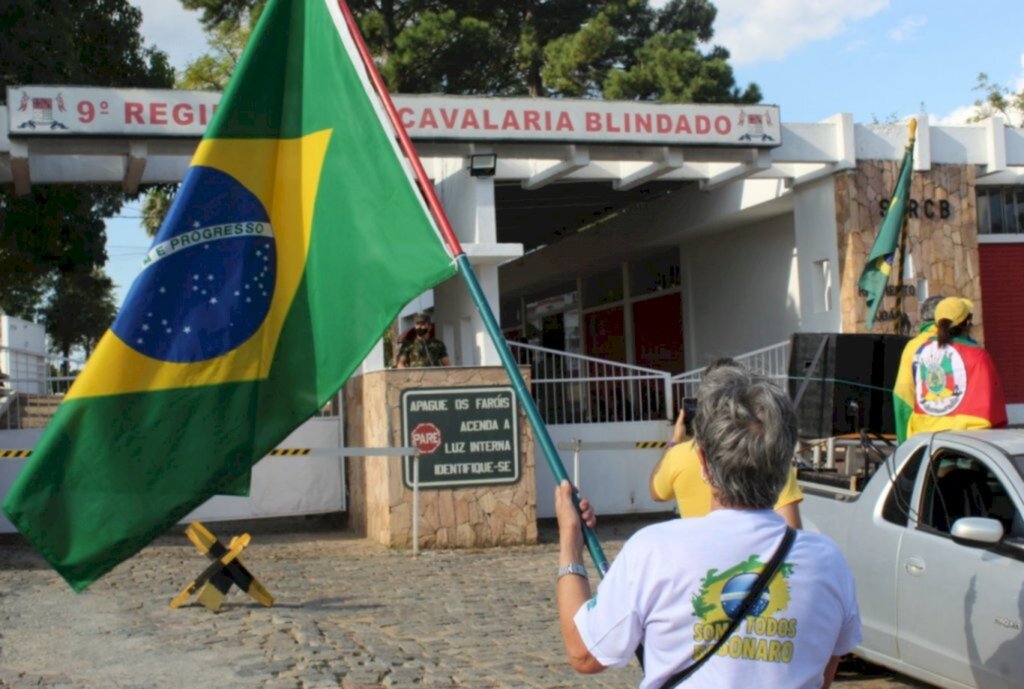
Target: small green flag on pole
[
  {"x": 297, "y": 237},
  {"x": 880, "y": 261}
]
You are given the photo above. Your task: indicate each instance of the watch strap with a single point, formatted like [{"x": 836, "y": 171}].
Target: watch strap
[{"x": 572, "y": 568}]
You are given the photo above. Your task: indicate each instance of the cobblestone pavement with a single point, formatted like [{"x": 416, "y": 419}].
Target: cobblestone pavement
[{"x": 348, "y": 614}]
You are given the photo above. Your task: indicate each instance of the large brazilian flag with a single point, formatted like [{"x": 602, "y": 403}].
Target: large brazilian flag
[{"x": 296, "y": 238}]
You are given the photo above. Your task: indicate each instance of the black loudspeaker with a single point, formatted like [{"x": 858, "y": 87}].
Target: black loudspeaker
[{"x": 850, "y": 387}]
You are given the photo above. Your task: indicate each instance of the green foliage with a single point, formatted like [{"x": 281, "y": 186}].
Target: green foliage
[
  {"x": 79, "y": 310},
  {"x": 430, "y": 56},
  {"x": 211, "y": 72},
  {"x": 156, "y": 206},
  {"x": 630, "y": 52},
  {"x": 59, "y": 229},
  {"x": 670, "y": 68},
  {"x": 576, "y": 64},
  {"x": 88, "y": 42},
  {"x": 608, "y": 48},
  {"x": 225, "y": 14},
  {"x": 998, "y": 100}
]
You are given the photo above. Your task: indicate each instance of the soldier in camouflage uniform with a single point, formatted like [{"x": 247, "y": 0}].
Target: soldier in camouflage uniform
[{"x": 423, "y": 350}]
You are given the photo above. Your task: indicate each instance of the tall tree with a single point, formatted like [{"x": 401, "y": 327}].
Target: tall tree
[
  {"x": 79, "y": 309},
  {"x": 629, "y": 51},
  {"x": 60, "y": 228},
  {"x": 998, "y": 100},
  {"x": 594, "y": 48}
]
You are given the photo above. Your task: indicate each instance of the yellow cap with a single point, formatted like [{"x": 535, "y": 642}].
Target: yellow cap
[{"x": 953, "y": 309}]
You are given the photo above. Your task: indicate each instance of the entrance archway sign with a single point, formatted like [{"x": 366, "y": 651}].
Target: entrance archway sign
[{"x": 64, "y": 111}]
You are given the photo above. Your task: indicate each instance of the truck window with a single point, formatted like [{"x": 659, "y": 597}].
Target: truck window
[
  {"x": 959, "y": 485},
  {"x": 897, "y": 503}
]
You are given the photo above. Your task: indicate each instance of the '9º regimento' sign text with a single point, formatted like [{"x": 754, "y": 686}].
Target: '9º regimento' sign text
[{"x": 466, "y": 436}]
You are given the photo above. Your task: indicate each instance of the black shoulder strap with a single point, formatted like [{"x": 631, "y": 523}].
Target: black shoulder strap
[
  {"x": 427, "y": 354},
  {"x": 753, "y": 595}
]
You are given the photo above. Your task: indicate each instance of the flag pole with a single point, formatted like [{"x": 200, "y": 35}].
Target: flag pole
[
  {"x": 900, "y": 318},
  {"x": 466, "y": 271}
]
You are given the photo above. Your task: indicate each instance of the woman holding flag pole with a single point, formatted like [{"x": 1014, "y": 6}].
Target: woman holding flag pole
[{"x": 733, "y": 599}]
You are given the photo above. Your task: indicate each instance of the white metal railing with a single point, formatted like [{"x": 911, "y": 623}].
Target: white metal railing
[
  {"x": 34, "y": 373},
  {"x": 573, "y": 388},
  {"x": 771, "y": 361},
  {"x": 29, "y": 373},
  {"x": 568, "y": 388}
]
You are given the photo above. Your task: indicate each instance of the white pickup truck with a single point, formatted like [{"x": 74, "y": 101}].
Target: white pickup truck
[{"x": 936, "y": 543}]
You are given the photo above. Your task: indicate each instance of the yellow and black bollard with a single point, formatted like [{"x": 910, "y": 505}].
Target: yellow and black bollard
[{"x": 226, "y": 569}]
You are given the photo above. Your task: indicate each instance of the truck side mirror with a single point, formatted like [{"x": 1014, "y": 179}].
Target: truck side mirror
[{"x": 978, "y": 532}]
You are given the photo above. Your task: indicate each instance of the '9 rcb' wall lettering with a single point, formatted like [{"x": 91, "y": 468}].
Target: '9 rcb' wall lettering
[{"x": 930, "y": 209}]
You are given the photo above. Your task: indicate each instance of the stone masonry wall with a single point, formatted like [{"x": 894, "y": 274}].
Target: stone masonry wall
[
  {"x": 944, "y": 249},
  {"x": 380, "y": 506}
]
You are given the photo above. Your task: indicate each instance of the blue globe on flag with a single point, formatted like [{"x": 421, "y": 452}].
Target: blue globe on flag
[
  {"x": 735, "y": 592},
  {"x": 208, "y": 279}
]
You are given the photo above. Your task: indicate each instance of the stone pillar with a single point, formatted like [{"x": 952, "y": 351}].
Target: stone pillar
[
  {"x": 380, "y": 506},
  {"x": 942, "y": 238}
]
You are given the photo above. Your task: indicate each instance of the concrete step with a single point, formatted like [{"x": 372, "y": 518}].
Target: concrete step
[
  {"x": 35, "y": 421},
  {"x": 37, "y": 410},
  {"x": 42, "y": 400}
]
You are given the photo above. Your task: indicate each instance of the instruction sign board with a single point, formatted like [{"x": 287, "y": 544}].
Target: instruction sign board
[{"x": 466, "y": 436}]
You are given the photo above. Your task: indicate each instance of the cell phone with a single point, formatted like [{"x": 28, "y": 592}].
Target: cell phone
[{"x": 690, "y": 407}]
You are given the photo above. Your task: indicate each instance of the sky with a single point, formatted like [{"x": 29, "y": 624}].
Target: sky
[{"x": 877, "y": 59}]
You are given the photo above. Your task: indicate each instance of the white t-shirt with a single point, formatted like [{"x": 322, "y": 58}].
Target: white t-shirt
[{"x": 672, "y": 587}]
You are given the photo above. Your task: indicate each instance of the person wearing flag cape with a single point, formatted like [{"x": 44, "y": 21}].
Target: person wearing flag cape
[
  {"x": 903, "y": 387},
  {"x": 956, "y": 385}
]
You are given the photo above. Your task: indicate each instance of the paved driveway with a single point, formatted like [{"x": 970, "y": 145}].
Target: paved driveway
[{"x": 348, "y": 613}]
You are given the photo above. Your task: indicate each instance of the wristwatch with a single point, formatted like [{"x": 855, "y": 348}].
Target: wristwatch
[{"x": 573, "y": 568}]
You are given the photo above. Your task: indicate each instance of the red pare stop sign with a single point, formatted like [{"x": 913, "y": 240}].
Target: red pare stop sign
[{"x": 426, "y": 437}]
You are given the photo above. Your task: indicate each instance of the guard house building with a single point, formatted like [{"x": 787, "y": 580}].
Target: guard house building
[{"x": 625, "y": 244}]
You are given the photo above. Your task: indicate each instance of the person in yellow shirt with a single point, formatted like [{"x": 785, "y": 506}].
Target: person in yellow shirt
[{"x": 677, "y": 475}]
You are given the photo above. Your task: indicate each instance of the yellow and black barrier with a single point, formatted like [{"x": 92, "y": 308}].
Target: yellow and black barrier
[
  {"x": 226, "y": 570},
  {"x": 288, "y": 452}
]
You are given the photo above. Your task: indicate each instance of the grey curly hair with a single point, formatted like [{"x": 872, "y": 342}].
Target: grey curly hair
[{"x": 746, "y": 427}]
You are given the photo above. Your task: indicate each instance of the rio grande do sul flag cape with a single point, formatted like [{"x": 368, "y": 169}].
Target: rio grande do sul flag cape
[
  {"x": 296, "y": 238},
  {"x": 956, "y": 387},
  {"x": 903, "y": 388}
]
